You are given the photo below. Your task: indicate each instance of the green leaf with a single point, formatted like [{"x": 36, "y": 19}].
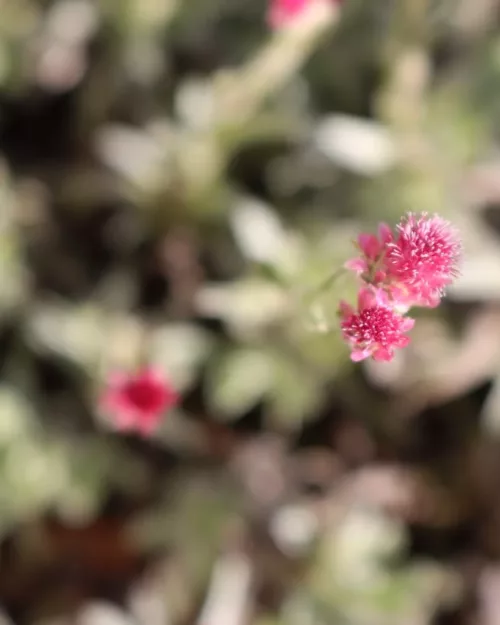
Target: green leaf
[
  {"x": 238, "y": 381},
  {"x": 296, "y": 393}
]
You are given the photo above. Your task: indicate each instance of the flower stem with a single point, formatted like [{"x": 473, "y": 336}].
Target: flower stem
[
  {"x": 308, "y": 301},
  {"x": 324, "y": 285}
]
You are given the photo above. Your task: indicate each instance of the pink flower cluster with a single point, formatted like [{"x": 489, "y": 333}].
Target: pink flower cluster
[{"x": 411, "y": 266}]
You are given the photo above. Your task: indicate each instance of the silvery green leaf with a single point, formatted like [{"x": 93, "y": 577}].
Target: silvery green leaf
[
  {"x": 137, "y": 155},
  {"x": 194, "y": 103},
  {"x": 16, "y": 415},
  {"x": 75, "y": 332},
  {"x": 363, "y": 541},
  {"x": 258, "y": 231},
  {"x": 238, "y": 381},
  {"x": 13, "y": 276},
  {"x": 295, "y": 393},
  {"x": 246, "y": 306},
  {"x": 359, "y": 145},
  {"x": 180, "y": 348}
]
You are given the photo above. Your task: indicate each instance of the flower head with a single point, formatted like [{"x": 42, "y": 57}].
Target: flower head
[
  {"x": 137, "y": 401},
  {"x": 373, "y": 329},
  {"x": 283, "y": 12},
  {"x": 424, "y": 257},
  {"x": 412, "y": 266}
]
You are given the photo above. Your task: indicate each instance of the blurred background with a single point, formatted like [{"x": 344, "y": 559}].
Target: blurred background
[{"x": 174, "y": 175}]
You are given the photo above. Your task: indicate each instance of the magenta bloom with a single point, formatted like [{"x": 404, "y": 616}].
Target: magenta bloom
[
  {"x": 137, "y": 401},
  {"x": 282, "y": 12},
  {"x": 412, "y": 266},
  {"x": 424, "y": 258},
  {"x": 373, "y": 329}
]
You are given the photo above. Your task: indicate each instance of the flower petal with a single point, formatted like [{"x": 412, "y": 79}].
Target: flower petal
[
  {"x": 383, "y": 354},
  {"x": 366, "y": 298},
  {"x": 407, "y": 324},
  {"x": 345, "y": 309},
  {"x": 359, "y": 265},
  {"x": 358, "y": 355},
  {"x": 370, "y": 245},
  {"x": 385, "y": 233}
]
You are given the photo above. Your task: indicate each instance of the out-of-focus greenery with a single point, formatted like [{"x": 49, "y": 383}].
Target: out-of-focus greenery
[{"x": 175, "y": 182}]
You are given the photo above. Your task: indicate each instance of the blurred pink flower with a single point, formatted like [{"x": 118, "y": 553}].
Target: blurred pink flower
[
  {"x": 137, "y": 401},
  {"x": 373, "y": 329},
  {"x": 282, "y": 12}
]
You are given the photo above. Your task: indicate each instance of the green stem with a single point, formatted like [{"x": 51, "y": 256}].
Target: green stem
[
  {"x": 308, "y": 299},
  {"x": 324, "y": 285}
]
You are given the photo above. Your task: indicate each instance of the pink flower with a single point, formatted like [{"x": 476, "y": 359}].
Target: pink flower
[
  {"x": 370, "y": 264},
  {"x": 137, "y": 401},
  {"x": 413, "y": 266},
  {"x": 282, "y": 12},
  {"x": 424, "y": 258},
  {"x": 373, "y": 329}
]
